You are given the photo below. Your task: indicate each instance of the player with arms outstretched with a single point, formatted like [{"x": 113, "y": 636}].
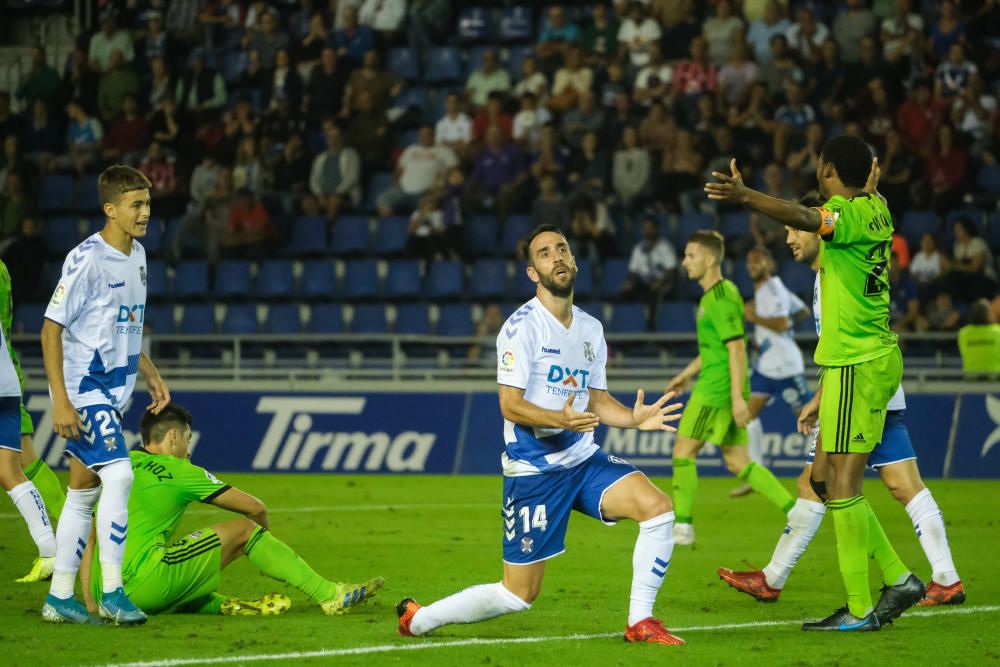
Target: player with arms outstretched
[
  {"x": 164, "y": 576},
  {"x": 862, "y": 361},
  {"x": 894, "y": 460},
  {"x": 92, "y": 346},
  {"x": 717, "y": 411},
  {"x": 551, "y": 359}
]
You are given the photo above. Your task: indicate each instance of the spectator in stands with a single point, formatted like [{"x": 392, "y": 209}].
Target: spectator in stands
[
  {"x": 487, "y": 79},
  {"x": 312, "y": 44},
  {"x": 238, "y": 123},
  {"x": 652, "y": 266},
  {"x": 117, "y": 83},
  {"x": 454, "y": 129},
  {"x": 15, "y": 206},
  {"x": 630, "y": 171},
  {"x": 84, "y": 137},
  {"x": 586, "y": 117},
  {"x": 918, "y": 117},
  {"x": 619, "y": 115},
  {"x": 110, "y": 38},
  {"x": 324, "y": 94},
  {"x": 248, "y": 228},
  {"x": 599, "y": 39},
  {"x": 161, "y": 171},
  {"x": 802, "y": 162},
  {"x": 487, "y": 328},
  {"x": 721, "y": 32},
  {"x": 947, "y": 30},
  {"x": 12, "y": 162},
  {"x": 41, "y": 81},
  {"x": 637, "y": 33},
  {"x": 868, "y": 66},
  {"x": 79, "y": 81},
  {"x": 335, "y": 178},
  {"x": 206, "y": 221},
  {"x": 902, "y": 33},
  {"x": 767, "y": 231},
  {"x": 953, "y": 75},
  {"x": 155, "y": 43},
  {"x": 972, "y": 112},
  {"x": 203, "y": 183},
  {"x": 550, "y": 207},
  {"x": 972, "y": 274},
  {"x": 654, "y": 80},
  {"x": 532, "y": 81},
  {"x": 940, "y": 314},
  {"x": 979, "y": 341},
  {"x": 759, "y": 35},
  {"x": 551, "y": 156},
  {"x": 290, "y": 173},
  {"x": 680, "y": 176},
  {"x": 782, "y": 68},
  {"x": 590, "y": 229},
  {"x": 248, "y": 167},
  {"x": 369, "y": 133},
  {"x": 945, "y": 171},
  {"x": 201, "y": 89},
  {"x": 658, "y": 130},
  {"x": 899, "y": 164},
  {"x": 281, "y": 122},
  {"x": 25, "y": 259},
  {"x": 11, "y": 124},
  {"x": 791, "y": 119},
  {"x": 589, "y": 168},
  {"x": 529, "y": 121},
  {"x": 556, "y": 37},
  {"x": 182, "y": 19},
  {"x": 353, "y": 41},
  {"x": 498, "y": 176},
  {"x": 875, "y": 113},
  {"x": 127, "y": 135},
  {"x": 41, "y": 136},
  {"x": 681, "y": 22},
  {"x": 380, "y": 85},
  {"x": 157, "y": 83},
  {"x": 807, "y": 34},
  {"x": 928, "y": 264},
  {"x": 853, "y": 23},
  {"x": 417, "y": 170},
  {"x": 253, "y": 79},
  {"x": 385, "y": 17},
  {"x": 284, "y": 82},
  {"x": 736, "y": 76},
  {"x": 695, "y": 76},
  {"x": 492, "y": 115},
  {"x": 904, "y": 300},
  {"x": 267, "y": 39},
  {"x": 609, "y": 84},
  {"x": 428, "y": 22},
  {"x": 426, "y": 229},
  {"x": 573, "y": 80}
]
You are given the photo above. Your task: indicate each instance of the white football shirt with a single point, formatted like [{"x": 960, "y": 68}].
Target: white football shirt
[
  {"x": 536, "y": 353},
  {"x": 10, "y": 385},
  {"x": 778, "y": 355}
]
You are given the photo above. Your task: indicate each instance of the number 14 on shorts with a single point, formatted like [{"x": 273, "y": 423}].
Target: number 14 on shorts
[{"x": 529, "y": 518}]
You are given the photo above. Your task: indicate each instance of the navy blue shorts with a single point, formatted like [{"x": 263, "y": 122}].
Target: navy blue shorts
[
  {"x": 10, "y": 412},
  {"x": 101, "y": 440},
  {"x": 536, "y": 508},
  {"x": 894, "y": 447},
  {"x": 794, "y": 391}
]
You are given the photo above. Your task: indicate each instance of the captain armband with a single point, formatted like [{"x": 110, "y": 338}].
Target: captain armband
[{"x": 827, "y": 219}]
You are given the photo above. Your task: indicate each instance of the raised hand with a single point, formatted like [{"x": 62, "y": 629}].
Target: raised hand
[
  {"x": 730, "y": 187},
  {"x": 657, "y": 416},
  {"x": 871, "y": 186},
  {"x": 581, "y": 422}
]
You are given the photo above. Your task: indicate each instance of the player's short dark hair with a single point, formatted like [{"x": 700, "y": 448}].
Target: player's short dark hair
[
  {"x": 711, "y": 240},
  {"x": 812, "y": 199},
  {"x": 979, "y": 312},
  {"x": 851, "y": 157},
  {"x": 524, "y": 247},
  {"x": 118, "y": 179},
  {"x": 153, "y": 428}
]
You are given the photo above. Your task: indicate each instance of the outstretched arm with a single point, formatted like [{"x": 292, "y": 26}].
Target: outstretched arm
[
  {"x": 653, "y": 417},
  {"x": 731, "y": 188}
]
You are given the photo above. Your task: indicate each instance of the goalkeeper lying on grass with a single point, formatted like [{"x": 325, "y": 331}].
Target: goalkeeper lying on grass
[{"x": 161, "y": 576}]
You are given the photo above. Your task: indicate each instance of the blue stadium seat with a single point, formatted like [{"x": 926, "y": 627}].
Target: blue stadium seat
[
  {"x": 444, "y": 65},
  {"x": 445, "y": 280},
  {"x": 988, "y": 179},
  {"x": 152, "y": 242},
  {"x": 675, "y": 317},
  {"x": 515, "y": 229},
  {"x": 369, "y": 318},
  {"x": 276, "y": 279},
  {"x": 516, "y": 24},
  {"x": 308, "y": 237},
  {"x": 522, "y": 287},
  {"x": 475, "y": 25},
  {"x": 412, "y": 318},
  {"x": 403, "y": 62},
  {"x": 198, "y": 319},
  {"x": 62, "y": 234},
  {"x": 489, "y": 278},
  {"x": 593, "y": 308},
  {"x": 159, "y": 318},
  {"x": 688, "y": 224},
  {"x": 628, "y": 318},
  {"x": 233, "y": 65},
  {"x": 379, "y": 181},
  {"x": 283, "y": 318},
  {"x": 360, "y": 279},
  {"x": 327, "y": 318},
  {"x": 917, "y": 223},
  {"x": 481, "y": 235},
  {"x": 191, "y": 280},
  {"x": 798, "y": 278},
  {"x": 474, "y": 59},
  {"x": 735, "y": 225},
  {"x": 28, "y": 318},
  {"x": 974, "y": 215},
  {"x": 156, "y": 280},
  {"x": 584, "y": 287},
  {"x": 240, "y": 318},
  {"x": 515, "y": 57},
  {"x": 318, "y": 280},
  {"x": 613, "y": 277},
  {"x": 993, "y": 236},
  {"x": 96, "y": 223},
  {"x": 738, "y": 274},
  {"x": 350, "y": 235},
  {"x": 55, "y": 193},
  {"x": 86, "y": 198},
  {"x": 455, "y": 319},
  {"x": 403, "y": 279},
  {"x": 232, "y": 279},
  {"x": 391, "y": 234},
  {"x": 416, "y": 99}
]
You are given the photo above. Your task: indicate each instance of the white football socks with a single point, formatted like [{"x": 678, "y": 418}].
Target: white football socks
[
  {"x": 31, "y": 506},
  {"x": 650, "y": 560},
  {"x": 755, "y": 442},
  {"x": 929, "y": 524},
  {"x": 71, "y": 538},
  {"x": 112, "y": 521},
  {"x": 476, "y": 603},
  {"x": 803, "y": 521}
]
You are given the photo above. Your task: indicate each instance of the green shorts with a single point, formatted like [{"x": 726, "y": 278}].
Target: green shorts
[
  {"x": 27, "y": 427},
  {"x": 189, "y": 569},
  {"x": 852, "y": 408},
  {"x": 710, "y": 424}
]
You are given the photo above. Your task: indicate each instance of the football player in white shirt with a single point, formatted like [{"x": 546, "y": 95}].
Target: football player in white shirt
[
  {"x": 779, "y": 370},
  {"x": 91, "y": 342},
  {"x": 894, "y": 460},
  {"x": 553, "y": 390}
]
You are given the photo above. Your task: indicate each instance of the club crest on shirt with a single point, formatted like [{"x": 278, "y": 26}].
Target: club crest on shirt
[
  {"x": 111, "y": 443},
  {"x": 527, "y": 544},
  {"x": 588, "y": 351},
  {"x": 142, "y": 275}
]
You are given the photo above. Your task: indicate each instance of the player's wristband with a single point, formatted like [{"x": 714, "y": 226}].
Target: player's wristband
[{"x": 827, "y": 219}]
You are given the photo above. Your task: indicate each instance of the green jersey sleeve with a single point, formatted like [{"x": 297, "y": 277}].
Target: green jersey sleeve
[
  {"x": 860, "y": 219},
  {"x": 7, "y": 319},
  {"x": 726, "y": 314},
  {"x": 197, "y": 484}
]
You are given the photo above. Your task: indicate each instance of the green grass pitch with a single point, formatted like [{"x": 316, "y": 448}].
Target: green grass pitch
[{"x": 431, "y": 536}]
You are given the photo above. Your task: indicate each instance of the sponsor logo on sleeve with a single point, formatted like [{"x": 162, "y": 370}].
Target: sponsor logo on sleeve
[
  {"x": 58, "y": 295},
  {"x": 507, "y": 362}
]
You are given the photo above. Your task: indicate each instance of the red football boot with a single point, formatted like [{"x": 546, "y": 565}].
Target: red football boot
[
  {"x": 752, "y": 582},
  {"x": 405, "y": 610},
  {"x": 651, "y": 630},
  {"x": 936, "y": 594}
]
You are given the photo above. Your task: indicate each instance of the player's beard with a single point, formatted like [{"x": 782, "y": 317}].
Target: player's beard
[{"x": 553, "y": 285}]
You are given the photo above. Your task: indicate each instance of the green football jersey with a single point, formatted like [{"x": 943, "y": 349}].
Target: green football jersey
[
  {"x": 854, "y": 282},
  {"x": 7, "y": 319},
  {"x": 163, "y": 488},
  {"x": 720, "y": 320}
]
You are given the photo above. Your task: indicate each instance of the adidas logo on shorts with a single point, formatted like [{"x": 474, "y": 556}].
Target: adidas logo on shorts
[{"x": 859, "y": 438}]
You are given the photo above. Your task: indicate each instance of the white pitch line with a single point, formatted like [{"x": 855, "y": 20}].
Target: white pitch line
[
  {"x": 334, "y": 508},
  {"x": 389, "y": 648}
]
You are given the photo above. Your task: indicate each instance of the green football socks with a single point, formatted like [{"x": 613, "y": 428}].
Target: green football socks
[
  {"x": 48, "y": 487},
  {"x": 851, "y": 523},
  {"x": 277, "y": 560},
  {"x": 685, "y": 487},
  {"x": 879, "y": 548},
  {"x": 766, "y": 484}
]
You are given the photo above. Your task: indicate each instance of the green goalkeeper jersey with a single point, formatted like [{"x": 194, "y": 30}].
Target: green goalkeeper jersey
[
  {"x": 854, "y": 282},
  {"x": 720, "y": 320},
  {"x": 163, "y": 488},
  {"x": 7, "y": 319}
]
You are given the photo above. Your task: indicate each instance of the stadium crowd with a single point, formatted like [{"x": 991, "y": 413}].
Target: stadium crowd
[{"x": 475, "y": 121}]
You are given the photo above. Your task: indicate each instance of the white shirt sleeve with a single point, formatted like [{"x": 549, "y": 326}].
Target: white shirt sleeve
[
  {"x": 514, "y": 354},
  {"x": 74, "y": 288},
  {"x": 795, "y": 304},
  {"x": 599, "y": 374}
]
